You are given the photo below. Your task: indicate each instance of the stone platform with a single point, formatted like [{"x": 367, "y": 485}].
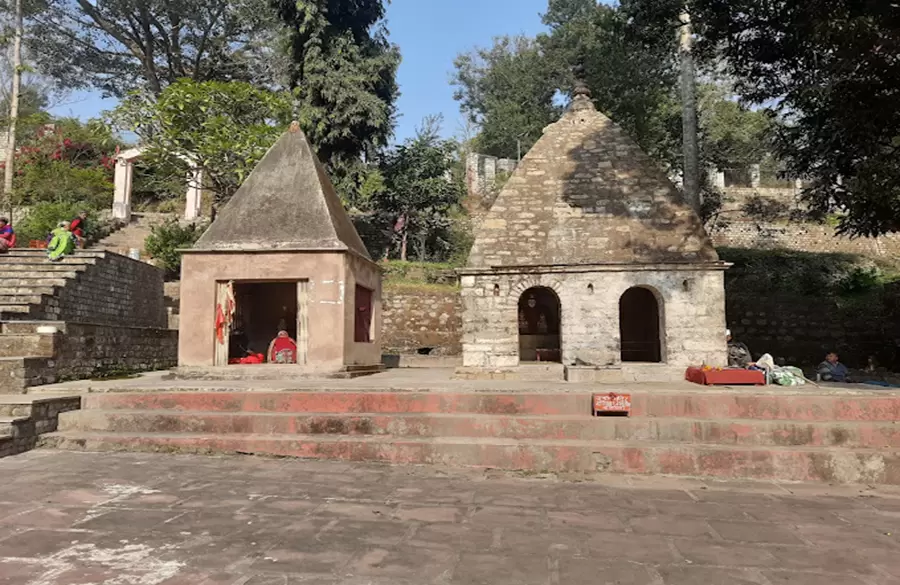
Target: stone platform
[
  {"x": 131, "y": 518},
  {"x": 844, "y": 435}
]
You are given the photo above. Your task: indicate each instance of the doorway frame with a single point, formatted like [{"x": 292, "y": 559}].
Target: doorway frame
[
  {"x": 221, "y": 348},
  {"x": 559, "y": 317},
  {"x": 660, "y": 325}
]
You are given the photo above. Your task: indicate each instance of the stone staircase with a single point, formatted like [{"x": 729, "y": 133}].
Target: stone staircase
[
  {"x": 848, "y": 437},
  {"x": 24, "y": 418},
  {"x": 133, "y": 235},
  {"x": 30, "y": 283}
]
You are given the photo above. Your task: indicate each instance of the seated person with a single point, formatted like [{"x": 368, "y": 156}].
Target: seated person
[
  {"x": 7, "y": 235},
  {"x": 283, "y": 349},
  {"x": 831, "y": 370},
  {"x": 738, "y": 353}
]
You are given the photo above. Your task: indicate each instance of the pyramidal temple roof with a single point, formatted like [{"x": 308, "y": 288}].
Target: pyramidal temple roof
[
  {"x": 287, "y": 203},
  {"x": 587, "y": 194}
]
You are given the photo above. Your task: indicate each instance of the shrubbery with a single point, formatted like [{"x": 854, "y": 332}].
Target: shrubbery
[
  {"x": 44, "y": 217},
  {"x": 165, "y": 241},
  {"x": 804, "y": 273}
]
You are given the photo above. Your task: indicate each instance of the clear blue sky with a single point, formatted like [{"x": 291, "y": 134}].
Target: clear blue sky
[{"x": 430, "y": 34}]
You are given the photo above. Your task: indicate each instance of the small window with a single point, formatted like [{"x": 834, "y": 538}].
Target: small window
[
  {"x": 591, "y": 289},
  {"x": 363, "y": 325},
  {"x": 496, "y": 290}
]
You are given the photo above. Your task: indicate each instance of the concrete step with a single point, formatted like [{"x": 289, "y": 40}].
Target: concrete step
[
  {"x": 858, "y": 435},
  {"x": 762, "y": 463},
  {"x": 346, "y": 402},
  {"x": 706, "y": 404},
  {"x": 27, "y": 345}
]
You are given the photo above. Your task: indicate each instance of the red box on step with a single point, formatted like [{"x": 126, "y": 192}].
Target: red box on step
[
  {"x": 725, "y": 377},
  {"x": 612, "y": 403}
]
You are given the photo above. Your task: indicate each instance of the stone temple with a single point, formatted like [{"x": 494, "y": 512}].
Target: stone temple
[
  {"x": 591, "y": 257},
  {"x": 282, "y": 255}
]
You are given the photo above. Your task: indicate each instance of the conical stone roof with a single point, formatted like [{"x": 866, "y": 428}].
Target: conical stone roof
[
  {"x": 587, "y": 194},
  {"x": 287, "y": 203}
]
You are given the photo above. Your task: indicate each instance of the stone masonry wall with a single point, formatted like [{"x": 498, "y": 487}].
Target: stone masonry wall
[
  {"x": 116, "y": 291},
  {"x": 802, "y": 237},
  {"x": 87, "y": 351},
  {"x": 801, "y": 330},
  {"x": 692, "y": 310},
  {"x": 418, "y": 317}
]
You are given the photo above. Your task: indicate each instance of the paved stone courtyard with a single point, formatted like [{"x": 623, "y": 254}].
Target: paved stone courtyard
[{"x": 137, "y": 519}]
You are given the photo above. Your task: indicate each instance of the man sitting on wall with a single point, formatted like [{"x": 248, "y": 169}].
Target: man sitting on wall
[
  {"x": 283, "y": 349},
  {"x": 831, "y": 370}
]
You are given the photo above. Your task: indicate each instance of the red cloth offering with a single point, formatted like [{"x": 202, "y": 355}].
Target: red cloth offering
[{"x": 725, "y": 377}]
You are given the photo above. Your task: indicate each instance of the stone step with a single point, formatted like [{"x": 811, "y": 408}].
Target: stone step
[
  {"x": 780, "y": 404},
  {"x": 24, "y": 418},
  {"x": 48, "y": 267},
  {"x": 858, "y": 435},
  {"x": 11, "y": 426},
  {"x": 27, "y": 345},
  {"x": 51, "y": 280},
  {"x": 31, "y": 327},
  {"x": 17, "y": 299},
  {"x": 19, "y": 373},
  {"x": 41, "y": 260},
  {"x": 757, "y": 463},
  {"x": 26, "y": 290}
]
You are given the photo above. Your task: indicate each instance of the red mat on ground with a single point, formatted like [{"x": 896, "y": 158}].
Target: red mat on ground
[{"x": 725, "y": 377}]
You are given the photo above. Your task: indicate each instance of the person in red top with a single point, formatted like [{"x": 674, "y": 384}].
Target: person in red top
[
  {"x": 7, "y": 235},
  {"x": 283, "y": 349},
  {"x": 78, "y": 227}
]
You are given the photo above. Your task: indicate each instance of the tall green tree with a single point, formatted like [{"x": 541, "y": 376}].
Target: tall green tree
[
  {"x": 118, "y": 46},
  {"x": 420, "y": 192},
  {"x": 829, "y": 69},
  {"x": 732, "y": 134},
  {"x": 634, "y": 81},
  {"x": 343, "y": 70},
  {"x": 508, "y": 92},
  {"x": 224, "y": 128}
]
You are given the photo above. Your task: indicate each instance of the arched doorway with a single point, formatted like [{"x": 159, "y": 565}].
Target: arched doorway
[
  {"x": 639, "y": 326},
  {"x": 539, "y": 326}
]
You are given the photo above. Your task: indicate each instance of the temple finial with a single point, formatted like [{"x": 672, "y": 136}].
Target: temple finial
[
  {"x": 581, "y": 86},
  {"x": 295, "y": 127}
]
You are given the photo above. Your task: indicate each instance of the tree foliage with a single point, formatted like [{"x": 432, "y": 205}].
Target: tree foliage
[
  {"x": 66, "y": 162},
  {"x": 343, "y": 70},
  {"x": 420, "y": 192},
  {"x": 829, "y": 69},
  {"x": 223, "y": 128},
  {"x": 508, "y": 92},
  {"x": 832, "y": 67},
  {"x": 732, "y": 134},
  {"x": 119, "y": 45}
]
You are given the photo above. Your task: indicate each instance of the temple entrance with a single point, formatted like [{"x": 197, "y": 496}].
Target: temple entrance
[
  {"x": 639, "y": 326},
  {"x": 262, "y": 311},
  {"x": 539, "y": 326}
]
